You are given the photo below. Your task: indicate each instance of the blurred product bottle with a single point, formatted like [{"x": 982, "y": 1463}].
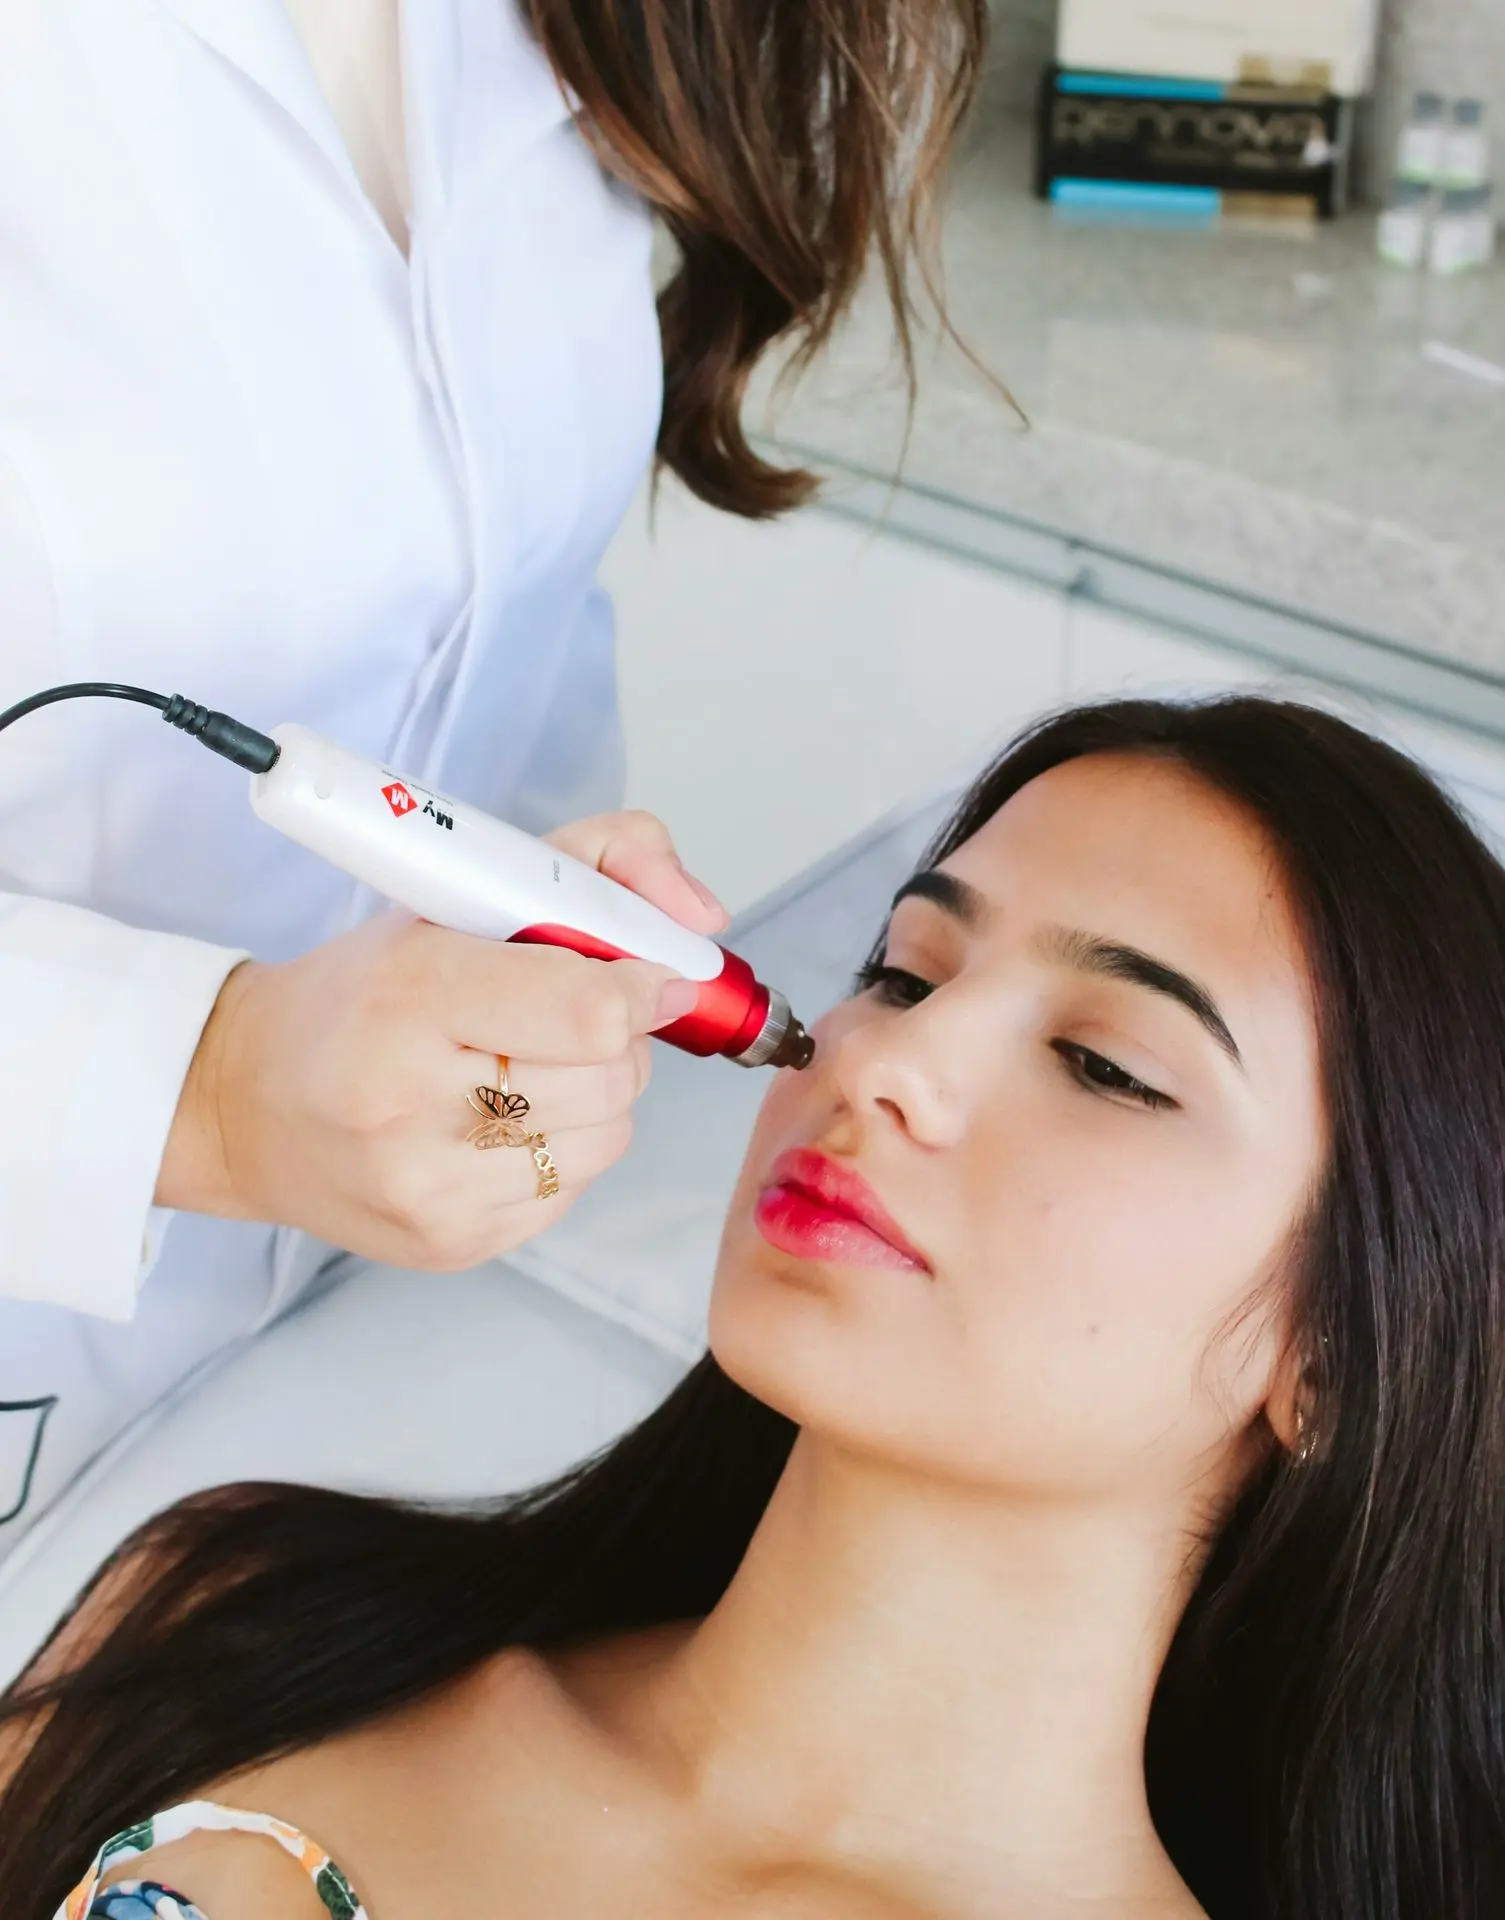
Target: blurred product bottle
[
  {"x": 1423, "y": 141},
  {"x": 1463, "y": 230},
  {"x": 1405, "y": 223},
  {"x": 1465, "y": 147}
]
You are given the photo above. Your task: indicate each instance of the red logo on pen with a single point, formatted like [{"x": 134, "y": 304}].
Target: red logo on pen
[{"x": 398, "y": 798}]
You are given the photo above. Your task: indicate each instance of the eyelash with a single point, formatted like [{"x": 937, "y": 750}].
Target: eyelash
[
  {"x": 894, "y": 985},
  {"x": 1085, "y": 1065},
  {"x": 1095, "y": 1071}
]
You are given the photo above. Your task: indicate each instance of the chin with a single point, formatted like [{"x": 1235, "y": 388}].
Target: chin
[
  {"x": 768, "y": 1319},
  {"x": 819, "y": 1344}
]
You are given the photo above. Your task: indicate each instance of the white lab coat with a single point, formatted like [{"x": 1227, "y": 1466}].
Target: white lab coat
[{"x": 250, "y": 453}]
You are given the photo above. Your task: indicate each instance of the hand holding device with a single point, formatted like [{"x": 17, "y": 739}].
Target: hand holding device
[
  {"x": 316, "y": 1097},
  {"x": 328, "y": 1092}
]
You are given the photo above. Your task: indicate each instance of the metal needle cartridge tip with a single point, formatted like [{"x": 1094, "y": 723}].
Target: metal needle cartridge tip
[
  {"x": 783, "y": 1042},
  {"x": 796, "y": 1050}
]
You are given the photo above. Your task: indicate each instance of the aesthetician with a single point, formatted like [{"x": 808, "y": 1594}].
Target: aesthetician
[{"x": 329, "y": 363}]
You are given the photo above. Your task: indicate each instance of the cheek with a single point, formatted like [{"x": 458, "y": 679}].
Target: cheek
[
  {"x": 1106, "y": 1271},
  {"x": 1083, "y": 1329}
]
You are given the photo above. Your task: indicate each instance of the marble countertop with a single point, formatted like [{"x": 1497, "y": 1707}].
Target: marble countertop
[{"x": 1252, "y": 409}]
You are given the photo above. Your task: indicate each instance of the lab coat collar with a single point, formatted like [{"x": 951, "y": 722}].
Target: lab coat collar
[
  {"x": 512, "y": 97},
  {"x": 259, "y": 38},
  {"x": 475, "y": 74}
]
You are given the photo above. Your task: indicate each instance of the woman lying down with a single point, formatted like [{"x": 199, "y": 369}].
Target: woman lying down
[{"x": 1094, "y": 1505}]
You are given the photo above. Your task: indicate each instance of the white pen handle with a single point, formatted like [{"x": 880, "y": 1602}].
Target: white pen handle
[{"x": 454, "y": 865}]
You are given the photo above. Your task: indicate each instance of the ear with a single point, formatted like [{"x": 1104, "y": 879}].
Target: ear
[{"x": 1287, "y": 1408}]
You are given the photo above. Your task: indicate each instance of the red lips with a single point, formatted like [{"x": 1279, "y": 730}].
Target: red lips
[{"x": 816, "y": 1209}]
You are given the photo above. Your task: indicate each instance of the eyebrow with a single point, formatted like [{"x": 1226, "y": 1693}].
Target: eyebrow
[
  {"x": 944, "y": 890},
  {"x": 1087, "y": 952}
]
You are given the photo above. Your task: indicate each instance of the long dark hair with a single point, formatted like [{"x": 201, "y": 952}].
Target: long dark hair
[
  {"x": 786, "y": 144},
  {"x": 1328, "y": 1737}
]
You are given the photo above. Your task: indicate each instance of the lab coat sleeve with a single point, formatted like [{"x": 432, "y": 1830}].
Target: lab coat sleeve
[{"x": 98, "y": 1022}]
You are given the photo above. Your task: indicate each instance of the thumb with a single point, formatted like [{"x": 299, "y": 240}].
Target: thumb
[
  {"x": 637, "y": 851},
  {"x": 655, "y": 996}
]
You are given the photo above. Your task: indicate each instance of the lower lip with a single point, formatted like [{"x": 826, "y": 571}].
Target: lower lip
[{"x": 796, "y": 1223}]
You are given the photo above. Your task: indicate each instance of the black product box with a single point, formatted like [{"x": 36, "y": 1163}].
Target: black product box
[{"x": 1236, "y": 139}]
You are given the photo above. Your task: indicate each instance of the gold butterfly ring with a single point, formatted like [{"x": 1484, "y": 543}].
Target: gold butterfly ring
[{"x": 501, "y": 1125}]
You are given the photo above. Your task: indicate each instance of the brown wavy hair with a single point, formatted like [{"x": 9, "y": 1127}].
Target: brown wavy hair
[{"x": 785, "y": 144}]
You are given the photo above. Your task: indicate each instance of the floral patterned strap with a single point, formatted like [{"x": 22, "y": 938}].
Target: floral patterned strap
[
  {"x": 142, "y": 1900},
  {"x": 204, "y": 1816}
]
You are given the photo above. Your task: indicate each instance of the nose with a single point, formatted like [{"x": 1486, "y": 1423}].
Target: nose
[{"x": 902, "y": 1072}]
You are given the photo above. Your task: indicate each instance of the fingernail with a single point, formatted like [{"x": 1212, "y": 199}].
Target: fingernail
[
  {"x": 701, "y": 892},
  {"x": 676, "y": 999}
]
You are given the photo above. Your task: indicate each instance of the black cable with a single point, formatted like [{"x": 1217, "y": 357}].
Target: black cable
[
  {"x": 83, "y": 690},
  {"x": 221, "y": 734}
]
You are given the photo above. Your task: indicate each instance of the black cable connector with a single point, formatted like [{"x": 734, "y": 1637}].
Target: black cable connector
[
  {"x": 219, "y": 732},
  {"x": 231, "y": 739}
]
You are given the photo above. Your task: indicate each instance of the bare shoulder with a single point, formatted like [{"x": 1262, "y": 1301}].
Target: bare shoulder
[
  {"x": 230, "y": 1876},
  {"x": 502, "y": 1726},
  {"x": 567, "y": 1697}
]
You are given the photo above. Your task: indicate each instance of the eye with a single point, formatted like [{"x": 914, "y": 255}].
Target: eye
[
  {"x": 893, "y": 987},
  {"x": 1102, "y": 1075}
]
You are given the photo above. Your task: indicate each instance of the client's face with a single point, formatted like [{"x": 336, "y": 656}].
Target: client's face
[{"x": 1023, "y": 1222}]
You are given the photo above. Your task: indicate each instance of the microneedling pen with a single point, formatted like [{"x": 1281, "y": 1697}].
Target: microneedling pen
[
  {"x": 463, "y": 869},
  {"x": 466, "y": 870}
]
